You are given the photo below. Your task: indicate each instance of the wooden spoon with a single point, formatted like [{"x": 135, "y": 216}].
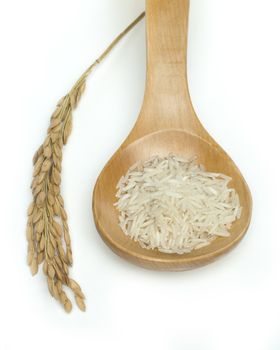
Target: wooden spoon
[{"x": 167, "y": 124}]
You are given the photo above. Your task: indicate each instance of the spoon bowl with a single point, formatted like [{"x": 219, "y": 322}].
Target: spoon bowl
[
  {"x": 167, "y": 124},
  {"x": 162, "y": 143}
]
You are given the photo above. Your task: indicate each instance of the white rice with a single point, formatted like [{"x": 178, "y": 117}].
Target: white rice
[{"x": 174, "y": 205}]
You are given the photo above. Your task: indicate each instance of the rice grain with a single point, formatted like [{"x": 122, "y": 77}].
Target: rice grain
[{"x": 174, "y": 205}]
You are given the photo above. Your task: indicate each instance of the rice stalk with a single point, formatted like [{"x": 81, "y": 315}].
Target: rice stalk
[{"x": 47, "y": 233}]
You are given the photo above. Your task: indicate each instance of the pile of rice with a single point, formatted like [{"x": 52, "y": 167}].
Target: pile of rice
[{"x": 174, "y": 205}]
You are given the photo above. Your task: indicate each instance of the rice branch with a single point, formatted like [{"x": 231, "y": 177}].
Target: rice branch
[{"x": 48, "y": 237}]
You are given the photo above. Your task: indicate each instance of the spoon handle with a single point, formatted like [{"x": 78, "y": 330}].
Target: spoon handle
[
  {"x": 167, "y": 22},
  {"x": 167, "y": 103}
]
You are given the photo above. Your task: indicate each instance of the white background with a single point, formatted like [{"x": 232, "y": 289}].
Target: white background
[{"x": 234, "y": 75}]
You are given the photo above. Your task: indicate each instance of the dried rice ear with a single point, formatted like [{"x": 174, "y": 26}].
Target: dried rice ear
[{"x": 47, "y": 232}]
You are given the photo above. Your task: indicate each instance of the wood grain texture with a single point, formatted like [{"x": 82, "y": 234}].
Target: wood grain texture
[{"x": 167, "y": 124}]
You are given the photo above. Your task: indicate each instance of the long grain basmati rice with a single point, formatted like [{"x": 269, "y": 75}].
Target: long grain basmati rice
[{"x": 174, "y": 205}]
